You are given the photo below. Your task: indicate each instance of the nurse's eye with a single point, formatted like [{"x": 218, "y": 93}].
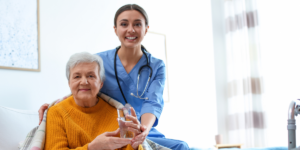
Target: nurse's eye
[
  {"x": 123, "y": 24},
  {"x": 138, "y": 24}
]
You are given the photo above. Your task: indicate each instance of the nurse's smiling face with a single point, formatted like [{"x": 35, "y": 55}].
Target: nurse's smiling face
[{"x": 131, "y": 28}]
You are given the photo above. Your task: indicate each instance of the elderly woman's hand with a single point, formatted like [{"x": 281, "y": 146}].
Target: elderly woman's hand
[
  {"x": 108, "y": 140},
  {"x": 139, "y": 130}
]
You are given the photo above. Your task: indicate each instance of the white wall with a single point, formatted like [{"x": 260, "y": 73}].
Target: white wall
[{"x": 72, "y": 26}]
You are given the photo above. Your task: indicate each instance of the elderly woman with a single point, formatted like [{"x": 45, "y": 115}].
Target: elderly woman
[{"x": 84, "y": 121}]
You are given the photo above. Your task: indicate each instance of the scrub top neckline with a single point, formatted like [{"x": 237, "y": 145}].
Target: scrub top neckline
[{"x": 137, "y": 64}]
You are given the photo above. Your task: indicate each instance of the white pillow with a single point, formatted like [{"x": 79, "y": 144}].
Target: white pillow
[{"x": 15, "y": 125}]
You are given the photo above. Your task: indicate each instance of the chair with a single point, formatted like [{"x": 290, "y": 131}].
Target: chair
[{"x": 15, "y": 124}]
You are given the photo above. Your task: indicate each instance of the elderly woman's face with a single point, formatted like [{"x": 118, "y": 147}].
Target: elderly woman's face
[{"x": 85, "y": 81}]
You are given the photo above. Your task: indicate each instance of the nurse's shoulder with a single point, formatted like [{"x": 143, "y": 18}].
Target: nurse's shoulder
[
  {"x": 155, "y": 62},
  {"x": 108, "y": 54}
]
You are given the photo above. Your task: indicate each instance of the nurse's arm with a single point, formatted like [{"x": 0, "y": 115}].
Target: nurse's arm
[{"x": 148, "y": 120}]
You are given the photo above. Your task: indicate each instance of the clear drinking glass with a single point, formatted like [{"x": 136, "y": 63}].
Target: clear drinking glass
[{"x": 124, "y": 133}]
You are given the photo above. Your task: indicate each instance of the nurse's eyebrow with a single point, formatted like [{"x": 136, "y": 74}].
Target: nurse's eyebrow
[
  {"x": 123, "y": 20},
  {"x": 127, "y": 20}
]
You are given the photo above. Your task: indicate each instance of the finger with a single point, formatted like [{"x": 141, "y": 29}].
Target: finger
[
  {"x": 135, "y": 131},
  {"x": 136, "y": 144},
  {"x": 133, "y": 112},
  {"x": 116, "y": 142},
  {"x": 40, "y": 118},
  {"x": 43, "y": 108},
  {"x": 133, "y": 125},
  {"x": 114, "y": 133},
  {"x": 140, "y": 137},
  {"x": 120, "y": 141},
  {"x": 133, "y": 119},
  {"x": 118, "y": 145},
  {"x": 143, "y": 128}
]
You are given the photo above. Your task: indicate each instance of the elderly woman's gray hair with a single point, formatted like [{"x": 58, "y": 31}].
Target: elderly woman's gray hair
[{"x": 85, "y": 57}]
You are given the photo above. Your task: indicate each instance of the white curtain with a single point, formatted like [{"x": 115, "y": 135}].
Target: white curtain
[{"x": 245, "y": 117}]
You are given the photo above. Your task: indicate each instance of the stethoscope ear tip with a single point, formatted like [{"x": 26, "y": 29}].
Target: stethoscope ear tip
[{"x": 131, "y": 94}]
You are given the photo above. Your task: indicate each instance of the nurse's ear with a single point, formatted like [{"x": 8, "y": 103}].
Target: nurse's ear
[
  {"x": 146, "y": 30},
  {"x": 115, "y": 28}
]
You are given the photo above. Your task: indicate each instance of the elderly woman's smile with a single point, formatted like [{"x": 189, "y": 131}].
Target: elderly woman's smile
[
  {"x": 83, "y": 90},
  {"x": 85, "y": 83}
]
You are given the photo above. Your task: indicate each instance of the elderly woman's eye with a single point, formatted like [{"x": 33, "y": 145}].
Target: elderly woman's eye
[
  {"x": 91, "y": 76},
  {"x": 76, "y": 77}
]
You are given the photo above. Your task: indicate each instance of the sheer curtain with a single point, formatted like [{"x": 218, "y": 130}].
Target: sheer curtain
[{"x": 245, "y": 121}]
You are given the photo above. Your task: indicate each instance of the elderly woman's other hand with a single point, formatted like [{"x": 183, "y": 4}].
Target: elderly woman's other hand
[
  {"x": 108, "y": 140},
  {"x": 139, "y": 130}
]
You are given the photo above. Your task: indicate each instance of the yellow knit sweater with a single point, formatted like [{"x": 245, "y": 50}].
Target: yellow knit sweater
[{"x": 70, "y": 126}]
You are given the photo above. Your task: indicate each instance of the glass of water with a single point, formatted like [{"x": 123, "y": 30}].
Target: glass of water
[{"x": 124, "y": 133}]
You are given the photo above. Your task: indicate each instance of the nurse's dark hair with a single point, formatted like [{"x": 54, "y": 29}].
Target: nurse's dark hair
[{"x": 131, "y": 7}]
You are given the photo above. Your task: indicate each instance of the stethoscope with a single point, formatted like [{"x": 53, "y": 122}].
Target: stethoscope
[{"x": 137, "y": 86}]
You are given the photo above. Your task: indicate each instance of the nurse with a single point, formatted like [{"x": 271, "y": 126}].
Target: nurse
[{"x": 122, "y": 66}]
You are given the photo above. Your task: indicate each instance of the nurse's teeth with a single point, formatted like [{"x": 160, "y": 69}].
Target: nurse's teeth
[{"x": 131, "y": 38}]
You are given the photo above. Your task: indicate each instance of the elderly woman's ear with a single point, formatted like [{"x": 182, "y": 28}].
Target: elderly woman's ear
[{"x": 101, "y": 85}]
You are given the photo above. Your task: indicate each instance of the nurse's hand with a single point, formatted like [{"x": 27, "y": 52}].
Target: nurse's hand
[
  {"x": 41, "y": 112},
  {"x": 139, "y": 139},
  {"x": 139, "y": 130}
]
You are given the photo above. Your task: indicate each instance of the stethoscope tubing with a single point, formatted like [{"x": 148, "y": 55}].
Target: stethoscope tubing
[{"x": 116, "y": 73}]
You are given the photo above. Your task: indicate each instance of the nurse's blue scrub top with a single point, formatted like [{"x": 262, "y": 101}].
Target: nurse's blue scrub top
[{"x": 155, "y": 103}]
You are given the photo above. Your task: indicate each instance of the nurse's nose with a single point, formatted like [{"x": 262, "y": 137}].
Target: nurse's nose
[{"x": 131, "y": 29}]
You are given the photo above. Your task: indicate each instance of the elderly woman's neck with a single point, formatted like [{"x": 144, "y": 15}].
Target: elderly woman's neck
[{"x": 86, "y": 103}]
